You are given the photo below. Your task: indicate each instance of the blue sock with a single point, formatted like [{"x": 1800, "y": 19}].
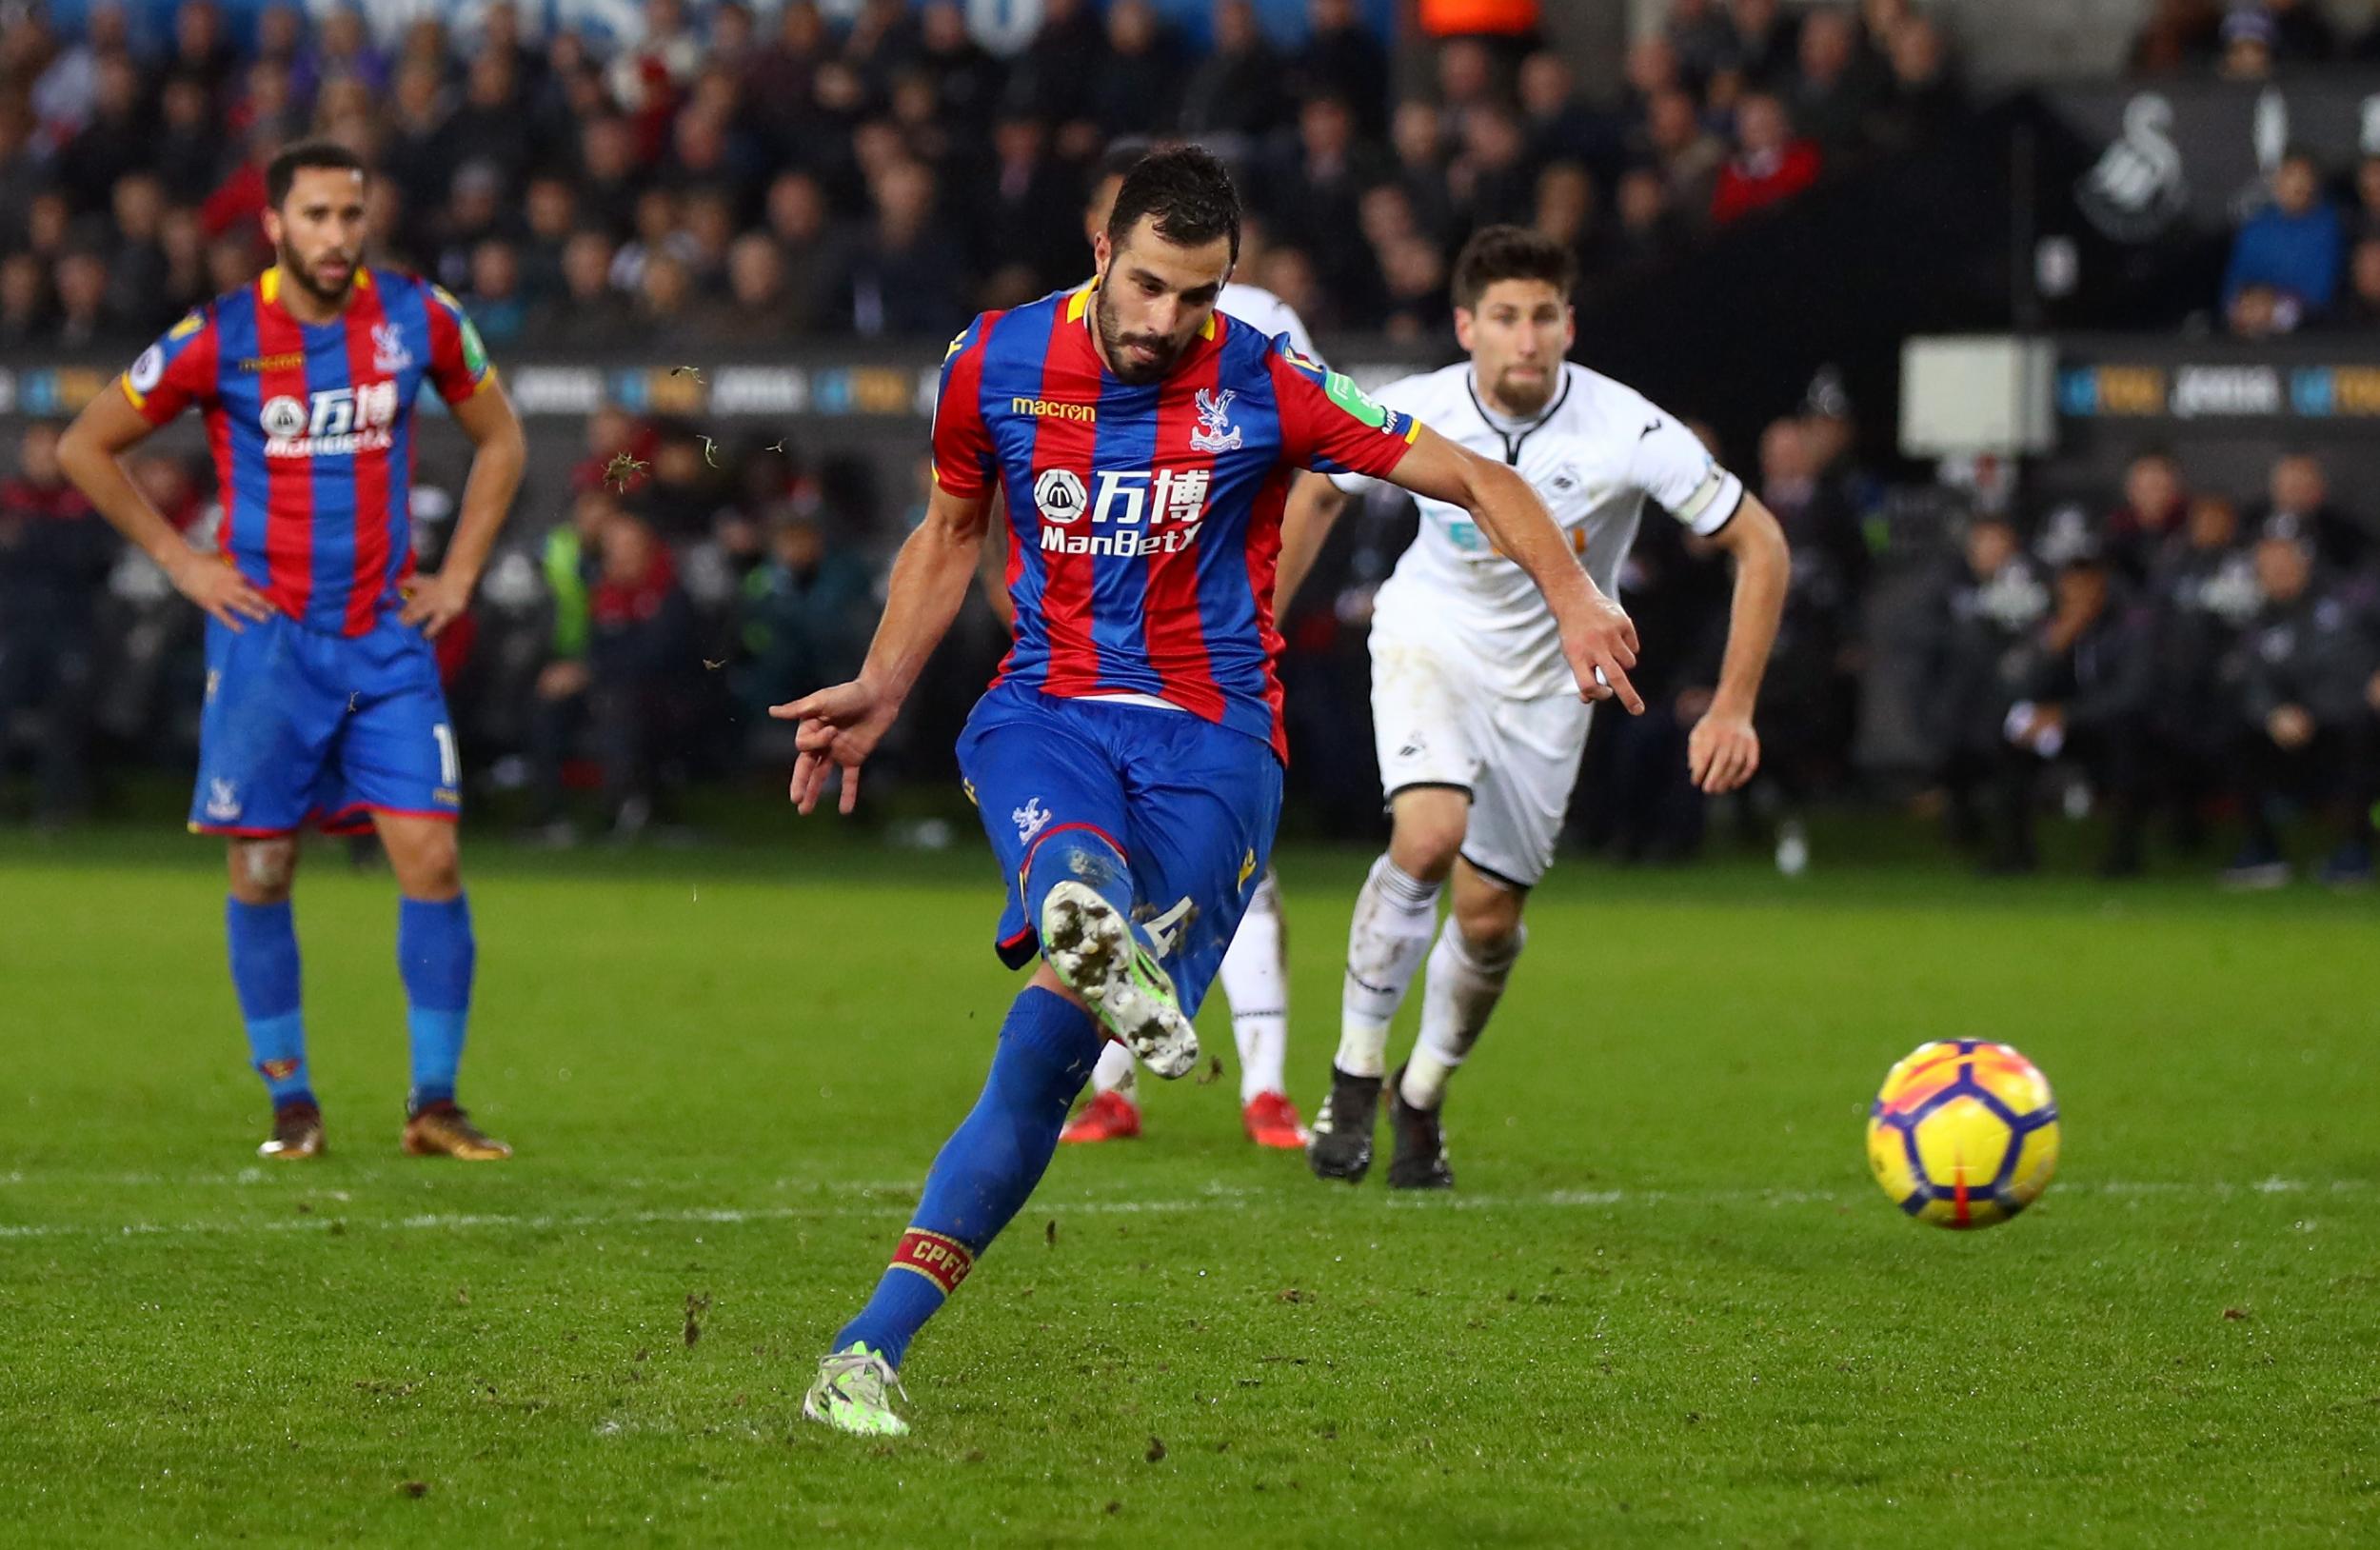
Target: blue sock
[
  {"x": 264, "y": 972},
  {"x": 1080, "y": 855},
  {"x": 435, "y": 955},
  {"x": 986, "y": 1170}
]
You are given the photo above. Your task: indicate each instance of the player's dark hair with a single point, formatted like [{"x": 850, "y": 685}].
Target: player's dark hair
[
  {"x": 306, "y": 155},
  {"x": 1510, "y": 252},
  {"x": 1188, "y": 192}
]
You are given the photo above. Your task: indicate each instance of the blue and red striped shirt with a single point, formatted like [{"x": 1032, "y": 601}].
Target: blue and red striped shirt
[
  {"x": 311, "y": 426},
  {"x": 1145, "y": 521}
]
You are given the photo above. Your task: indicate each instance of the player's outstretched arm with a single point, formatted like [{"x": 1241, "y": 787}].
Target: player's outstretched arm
[
  {"x": 1598, "y": 636},
  {"x": 842, "y": 725},
  {"x": 1723, "y": 751},
  {"x": 1314, "y": 506},
  {"x": 90, "y": 452},
  {"x": 500, "y": 454}
]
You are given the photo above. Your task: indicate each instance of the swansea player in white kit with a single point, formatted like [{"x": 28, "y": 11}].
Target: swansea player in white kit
[{"x": 1480, "y": 729}]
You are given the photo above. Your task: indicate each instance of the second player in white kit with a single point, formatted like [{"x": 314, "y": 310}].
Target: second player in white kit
[{"x": 1478, "y": 720}]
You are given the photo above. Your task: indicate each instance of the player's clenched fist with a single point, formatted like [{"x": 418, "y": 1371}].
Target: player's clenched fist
[
  {"x": 1600, "y": 640},
  {"x": 1723, "y": 753},
  {"x": 840, "y": 728}
]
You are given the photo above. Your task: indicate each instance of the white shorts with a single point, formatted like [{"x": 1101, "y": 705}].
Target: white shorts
[{"x": 1436, "y": 725}]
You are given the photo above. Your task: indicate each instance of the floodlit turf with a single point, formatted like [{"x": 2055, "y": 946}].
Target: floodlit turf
[{"x": 1667, "y": 1306}]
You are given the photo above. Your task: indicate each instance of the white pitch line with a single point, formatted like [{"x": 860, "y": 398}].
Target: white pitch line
[{"x": 1216, "y": 1197}]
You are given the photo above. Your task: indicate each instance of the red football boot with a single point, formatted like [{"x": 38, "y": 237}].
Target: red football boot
[
  {"x": 1106, "y": 1117},
  {"x": 1272, "y": 1119}
]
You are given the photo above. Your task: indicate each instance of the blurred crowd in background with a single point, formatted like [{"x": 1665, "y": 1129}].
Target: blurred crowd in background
[
  {"x": 892, "y": 178},
  {"x": 2193, "y": 665}
]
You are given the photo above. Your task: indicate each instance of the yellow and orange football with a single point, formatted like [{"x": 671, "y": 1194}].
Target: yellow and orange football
[{"x": 1964, "y": 1133}]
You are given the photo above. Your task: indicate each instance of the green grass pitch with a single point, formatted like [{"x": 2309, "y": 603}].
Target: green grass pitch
[{"x": 1667, "y": 1306}]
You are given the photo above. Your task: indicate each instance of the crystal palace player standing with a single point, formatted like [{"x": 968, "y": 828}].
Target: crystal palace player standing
[
  {"x": 323, "y": 702},
  {"x": 1127, "y": 759}
]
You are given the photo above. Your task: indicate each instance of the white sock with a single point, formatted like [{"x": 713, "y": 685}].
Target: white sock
[
  {"x": 1457, "y": 994},
  {"x": 1114, "y": 1073},
  {"x": 1256, "y": 981},
  {"x": 1394, "y": 913}
]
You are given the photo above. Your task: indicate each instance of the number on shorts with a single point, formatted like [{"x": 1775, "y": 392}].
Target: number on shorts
[
  {"x": 450, "y": 767},
  {"x": 1165, "y": 927}
]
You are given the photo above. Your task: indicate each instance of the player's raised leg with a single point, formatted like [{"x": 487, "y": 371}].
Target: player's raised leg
[
  {"x": 436, "y": 955},
  {"x": 1396, "y": 911},
  {"x": 261, "y": 930},
  {"x": 1467, "y": 971},
  {"x": 1255, "y": 977},
  {"x": 1256, "y": 983}
]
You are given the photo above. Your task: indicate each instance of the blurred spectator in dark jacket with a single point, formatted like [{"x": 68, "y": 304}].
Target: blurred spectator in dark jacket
[
  {"x": 1647, "y": 232},
  {"x": 2294, "y": 245},
  {"x": 203, "y": 49},
  {"x": 139, "y": 277},
  {"x": 1022, "y": 221},
  {"x": 2202, "y": 584},
  {"x": 1810, "y": 701},
  {"x": 1699, "y": 37},
  {"x": 54, "y": 553},
  {"x": 1139, "y": 88},
  {"x": 804, "y": 617},
  {"x": 1492, "y": 179},
  {"x": 906, "y": 277},
  {"x": 2082, "y": 685},
  {"x": 588, "y": 308},
  {"x": 1056, "y": 77},
  {"x": 966, "y": 78},
  {"x": 1922, "y": 98},
  {"x": 1420, "y": 145},
  {"x": 2155, "y": 501},
  {"x": 189, "y": 149},
  {"x": 1342, "y": 59},
  {"x": 1236, "y": 91},
  {"x": 1317, "y": 193},
  {"x": 24, "y": 302},
  {"x": 2309, "y": 674},
  {"x": 84, "y": 321},
  {"x": 1990, "y": 601},
  {"x": 2299, "y": 504},
  {"x": 1767, "y": 42},
  {"x": 119, "y": 138},
  {"x": 1835, "y": 88},
  {"x": 1561, "y": 125}
]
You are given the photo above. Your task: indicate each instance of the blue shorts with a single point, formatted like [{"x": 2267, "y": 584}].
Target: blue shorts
[
  {"x": 1192, "y": 806},
  {"x": 303, "y": 729}
]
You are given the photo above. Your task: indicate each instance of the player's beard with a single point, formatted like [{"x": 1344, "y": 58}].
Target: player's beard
[
  {"x": 301, "y": 274},
  {"x": 1113, "y": 342},
  {"x": 1521, "y": 397}
]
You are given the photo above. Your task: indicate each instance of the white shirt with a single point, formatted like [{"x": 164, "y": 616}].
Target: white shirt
[
  {"x": 1268, "y": 314},
  {"x": 1594, "y": 455}
]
